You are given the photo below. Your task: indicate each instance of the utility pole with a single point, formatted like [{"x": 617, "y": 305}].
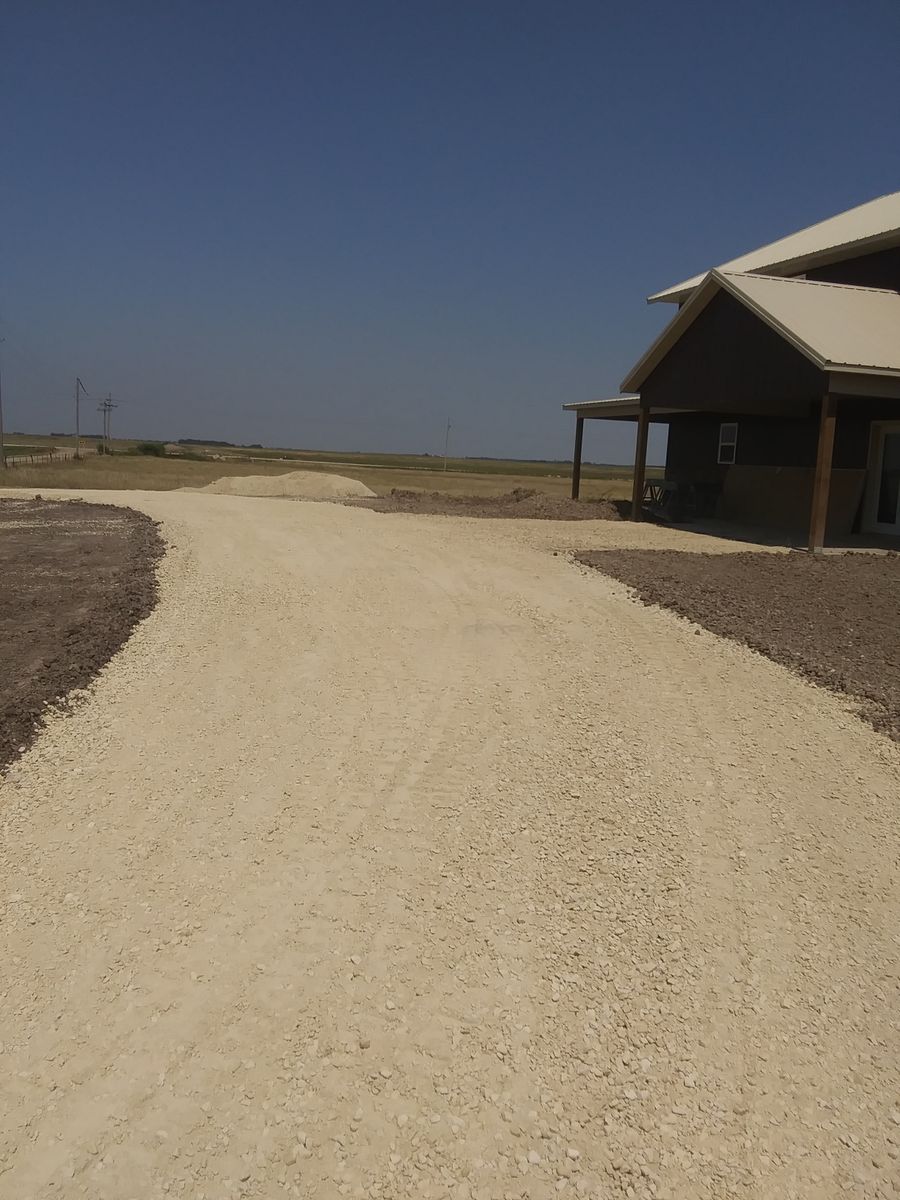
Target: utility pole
[
  {"x": 109, "y": 407},
  {"x": 106, "y": 406},
  {"x": 446, "y": 444},
  {"x": 79, "y": 388}
]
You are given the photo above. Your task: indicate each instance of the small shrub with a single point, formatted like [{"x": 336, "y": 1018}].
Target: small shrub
[{"x": 156, "y": 449}]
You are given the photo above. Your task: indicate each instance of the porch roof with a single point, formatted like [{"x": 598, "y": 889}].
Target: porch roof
[
  {"x": 626, "y": 407},
  {"x": 838, "y": 327},
  {"x": 617, "y": 408}
]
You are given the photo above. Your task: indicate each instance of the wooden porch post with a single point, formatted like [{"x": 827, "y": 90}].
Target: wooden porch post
[
  {"x": 576, "y": 457},
  {"x": 822, "y": 481},
  {"x": 640, "y": 464}
]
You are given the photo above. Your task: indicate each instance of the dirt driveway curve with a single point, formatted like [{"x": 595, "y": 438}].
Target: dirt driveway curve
[{"x": 395, "y": 857}]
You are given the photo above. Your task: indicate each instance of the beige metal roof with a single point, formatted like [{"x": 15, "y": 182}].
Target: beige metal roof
[
  {"x": 837, "y": 326},
  {"x": 863, "y": 229},
  {"x": 618, "y": 408},
  {"x": 619, "y": 401},
  {"x": 834, "y": 324}
]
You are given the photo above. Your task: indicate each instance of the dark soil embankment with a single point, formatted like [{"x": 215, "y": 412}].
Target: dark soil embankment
[
  {"x": 521, "y": 503},
  {"x": 834, "y": 619},
  {"x": 76, "y": 579}
]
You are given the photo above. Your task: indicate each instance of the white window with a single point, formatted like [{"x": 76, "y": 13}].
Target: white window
[{"x": 728, "y": 442}]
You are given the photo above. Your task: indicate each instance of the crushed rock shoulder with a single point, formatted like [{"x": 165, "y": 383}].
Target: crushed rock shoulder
[{"x": 304, "y": 485}]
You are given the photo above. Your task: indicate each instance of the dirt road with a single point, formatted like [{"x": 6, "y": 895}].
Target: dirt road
[{"x": 396, "y": 857}]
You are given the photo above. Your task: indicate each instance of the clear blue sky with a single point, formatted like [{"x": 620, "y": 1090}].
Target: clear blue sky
[{"x": 335, "y": 225}]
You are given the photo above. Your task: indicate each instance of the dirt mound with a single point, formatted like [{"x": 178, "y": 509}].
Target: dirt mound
[
  {"x": 528, "y": 503},
  {"x": 305, "y": 485}
]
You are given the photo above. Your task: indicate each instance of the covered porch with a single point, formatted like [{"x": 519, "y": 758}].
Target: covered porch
[
  {"x": 782, "y": 399},
  {"x": 618, "y": 408},
  {"x": 817, "y": 502}
]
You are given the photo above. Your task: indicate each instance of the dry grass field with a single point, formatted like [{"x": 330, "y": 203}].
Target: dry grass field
[{"x": 123, "y": 471}]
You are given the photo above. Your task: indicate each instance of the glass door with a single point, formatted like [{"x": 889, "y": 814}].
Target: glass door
[{"x": 887, "y": 480}]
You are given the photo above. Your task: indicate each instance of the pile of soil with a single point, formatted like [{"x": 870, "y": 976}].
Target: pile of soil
[
  {"x": 76, "y": 580},
  {"x": 303, "y": 485},
  {"x": 528, "y": 503},
  {"x": 834, "y": 619}
]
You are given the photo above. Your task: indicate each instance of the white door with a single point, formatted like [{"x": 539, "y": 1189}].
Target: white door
[{"x": 884, "y": 486}]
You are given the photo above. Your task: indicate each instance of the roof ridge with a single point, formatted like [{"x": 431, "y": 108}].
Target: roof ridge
[
  {"x": 856, "y": 231},
  {"x": 850, "y": 287}
]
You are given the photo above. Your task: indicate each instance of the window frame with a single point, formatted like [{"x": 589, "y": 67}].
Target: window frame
[{"x": 727, "y": 443}]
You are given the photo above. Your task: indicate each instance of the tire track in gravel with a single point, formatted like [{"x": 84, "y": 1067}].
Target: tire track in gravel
[{"x": 401, "y": 866}]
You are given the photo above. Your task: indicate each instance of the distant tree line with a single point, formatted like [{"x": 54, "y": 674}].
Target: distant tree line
[
  {"x": 203, "y": 442},
  {"x": 213, "y": 442}
]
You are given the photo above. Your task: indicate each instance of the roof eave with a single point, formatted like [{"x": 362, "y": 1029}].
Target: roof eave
[
  {"x": 627, "y": 399},
  {"x": 797, "y": 265},
  {"x": 857, "y": 369},
  {"x": 673, "y": 297}
]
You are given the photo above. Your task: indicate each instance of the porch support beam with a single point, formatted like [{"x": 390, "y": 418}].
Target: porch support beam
[
  {"x": 640, "y": 464},
  {"x": 822, "y": 482},
  {"x": 576, "y": 457}
]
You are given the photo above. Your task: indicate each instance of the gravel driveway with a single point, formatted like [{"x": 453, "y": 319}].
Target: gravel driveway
[{"x": 396, "y": 857}]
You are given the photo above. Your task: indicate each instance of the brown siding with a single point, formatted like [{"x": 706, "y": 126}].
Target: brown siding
[
  {"x": 762, "y": 442},
  {"x": 692, "y": 449},
  {"x": 729, "y": 360},
  {"x": 871, "y": 270},
  {"x": 781, "y": 498},
  {"x": 770, "y": 483}
]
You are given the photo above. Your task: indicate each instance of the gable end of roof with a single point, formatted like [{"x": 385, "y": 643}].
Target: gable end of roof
[{"x": 834, "y": 325}]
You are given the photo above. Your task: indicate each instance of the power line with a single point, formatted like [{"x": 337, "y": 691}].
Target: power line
[{"x": 106, "y": 406}]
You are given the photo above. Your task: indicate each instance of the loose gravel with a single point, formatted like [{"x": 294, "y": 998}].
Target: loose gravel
[
  {"x": 833, "y": 618},
  {"x": 298, "y": 485},
  {"x": 405, "y": 859}
]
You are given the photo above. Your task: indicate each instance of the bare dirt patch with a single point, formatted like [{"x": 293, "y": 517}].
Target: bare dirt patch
[
  {"x": 833, "y": 619},
  {"x": 527, "y": 503},
  {"x": 76, "y": 580}
]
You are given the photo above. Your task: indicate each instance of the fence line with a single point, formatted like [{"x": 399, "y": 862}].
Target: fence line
[{"x": 47, "y": 456}]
